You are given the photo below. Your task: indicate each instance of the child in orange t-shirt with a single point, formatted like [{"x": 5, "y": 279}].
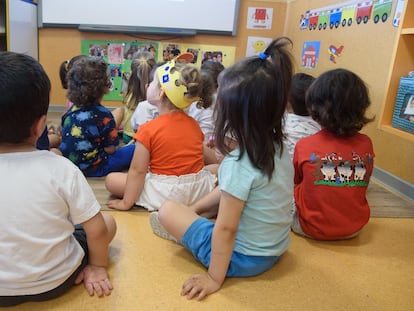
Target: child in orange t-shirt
[{"x": 168, "y": 160}]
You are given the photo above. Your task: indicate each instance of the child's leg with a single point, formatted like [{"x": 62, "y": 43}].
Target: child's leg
[
  {"x": 115, "y": 183},
  {"x": 176, "y": 218},
  {"x": 118, "y": 114}
]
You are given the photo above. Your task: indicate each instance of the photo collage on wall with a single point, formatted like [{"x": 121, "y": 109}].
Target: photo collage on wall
[{"x": 118, "y": 56}]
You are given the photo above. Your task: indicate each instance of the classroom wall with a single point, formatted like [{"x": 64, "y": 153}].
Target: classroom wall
[
  {"x": 367, "y": 51},
  {"x": 59, "y": 44}
]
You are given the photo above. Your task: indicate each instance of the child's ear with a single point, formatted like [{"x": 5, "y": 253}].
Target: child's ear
[
  {"x": 162, "y": 94},
  {"x": 39, "y": 126}
]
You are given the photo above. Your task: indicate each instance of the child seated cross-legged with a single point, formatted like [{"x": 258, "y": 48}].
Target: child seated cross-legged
[
  {"x": 89, "y": 135},
  {"x": 252, "y": 202},
  {"x": 333, "y": 167},
  {"x": 298, "y": 123},
  {"x": 168, "y": 160},
  {"x": 53, "y": 234}
]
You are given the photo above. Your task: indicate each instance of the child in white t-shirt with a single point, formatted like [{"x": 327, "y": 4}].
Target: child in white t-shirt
[{"x": 42, "y": 197}]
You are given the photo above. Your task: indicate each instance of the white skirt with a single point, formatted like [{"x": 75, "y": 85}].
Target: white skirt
[{"x": 185, "y": 189}]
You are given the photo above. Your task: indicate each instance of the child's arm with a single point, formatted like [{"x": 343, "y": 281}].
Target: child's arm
[
  {"x": 135, "y": 179},
  {"x": 110, "y": 150},
  {"x": 208, "y": 205},
  {"x": 94, "y": 275},
  {"x": 222, "y": 244}
]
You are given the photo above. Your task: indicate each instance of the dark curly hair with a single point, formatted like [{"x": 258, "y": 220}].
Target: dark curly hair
[
  {"x": 88, "y": 81},
  {"x": 65, "y": 67},
  {"x": 338, "y": 100}
]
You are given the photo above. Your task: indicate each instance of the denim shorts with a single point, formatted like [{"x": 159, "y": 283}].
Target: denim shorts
[{"x": 197, "y": 239}]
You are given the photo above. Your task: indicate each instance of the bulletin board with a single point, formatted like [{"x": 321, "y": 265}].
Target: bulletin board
[{"x": 118, "y": 55}]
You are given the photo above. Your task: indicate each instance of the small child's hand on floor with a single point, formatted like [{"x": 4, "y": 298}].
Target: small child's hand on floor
[
  {"x": 199, "y": 285},
  {"x": 95, "y": 279}
]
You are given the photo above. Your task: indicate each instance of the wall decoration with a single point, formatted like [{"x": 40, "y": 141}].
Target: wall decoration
[
  {"x": 255, "y": 45},
  {"x": 118, "y": 55},
  {"x": 310, "y": 54},
  {"x": 259, "y": 18},
  {"x": 334, "y": 52},
  {"x": 202, "y": 53},
  {"x": 398, "y": 13},
  {"x": 346, "y": 14}
]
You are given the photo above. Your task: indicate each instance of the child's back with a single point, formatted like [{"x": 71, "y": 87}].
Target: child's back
[
  {"x": 89, "y": 134},
  {"x": 42, "y": 198},
  {"x": 298, "y": 123},
  {"x": 334, "y": 166},
  {"x": 169, "y": 148}
]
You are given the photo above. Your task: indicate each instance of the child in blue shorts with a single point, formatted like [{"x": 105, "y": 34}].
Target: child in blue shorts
[{"x": 252, "y": 203}]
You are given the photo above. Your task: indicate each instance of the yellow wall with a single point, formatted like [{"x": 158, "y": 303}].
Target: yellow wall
[{"x": 367, "y": 51}]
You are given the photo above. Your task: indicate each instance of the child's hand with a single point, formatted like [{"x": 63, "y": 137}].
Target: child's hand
[
  {"x": 211, "y": 143},
  {"x": 95, "y": 279},
  {"x": 118, "y": 204},
  {"x": 202, "y": 285}
]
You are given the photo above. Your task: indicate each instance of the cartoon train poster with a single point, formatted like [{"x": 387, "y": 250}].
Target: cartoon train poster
[{"x": 346, "y": 14}]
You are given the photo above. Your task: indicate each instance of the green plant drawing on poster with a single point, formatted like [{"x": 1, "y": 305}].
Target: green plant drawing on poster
[{"x": 118, "y": 55}]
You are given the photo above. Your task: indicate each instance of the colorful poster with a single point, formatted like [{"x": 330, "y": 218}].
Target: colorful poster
[
  {"x": 346, "y": 14},
  {"x": 202, "y": 53},
  {"x": 310, "y": 54},
  {"x": 118, "y": 56},
  {"x": 255, "y": 45},
  {"x": 259, "y": 18}
]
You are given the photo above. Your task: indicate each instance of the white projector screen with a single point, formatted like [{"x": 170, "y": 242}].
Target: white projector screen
[{"x": 186, "y": 17}]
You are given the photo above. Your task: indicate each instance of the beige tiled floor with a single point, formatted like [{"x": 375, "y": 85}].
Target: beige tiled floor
[{"x": 374, "y": 271}]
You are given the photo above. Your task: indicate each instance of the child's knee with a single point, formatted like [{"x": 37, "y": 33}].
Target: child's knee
[{"x": 165, "y": 210}]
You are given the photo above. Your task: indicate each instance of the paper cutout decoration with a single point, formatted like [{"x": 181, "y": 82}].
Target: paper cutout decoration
[
  {"x": 345, "y": 14},
  {"x": 334, "y": 52}
]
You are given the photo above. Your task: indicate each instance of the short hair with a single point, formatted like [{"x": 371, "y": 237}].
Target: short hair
[
  {"x": 88, "y": 81},
  {"x": 213, "y": 68},
  {"x": 338, "y": 100},
  {"x": 24, "y": 96},
  {"x": 297, "y": 95}
]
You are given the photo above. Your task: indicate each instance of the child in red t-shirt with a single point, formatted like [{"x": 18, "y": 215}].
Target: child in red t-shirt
[{"x": 333, "y": 167}]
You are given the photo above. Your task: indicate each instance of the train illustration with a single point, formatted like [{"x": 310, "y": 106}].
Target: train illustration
[{"x": 345, "y": 15}]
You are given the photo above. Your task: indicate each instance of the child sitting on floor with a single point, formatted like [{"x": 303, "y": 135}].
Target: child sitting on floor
[
  {"x": 253, "y": 200},
  {"x": 333, "y": 167},
  {"x": 89, "y": 134},
  {"x": 298, "y": 123},
  {"x": 168, "y": 160},
  {"x": 42, "y": 198}
]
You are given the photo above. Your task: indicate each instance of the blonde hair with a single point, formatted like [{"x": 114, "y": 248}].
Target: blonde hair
[{"x": 141, "y": 66}]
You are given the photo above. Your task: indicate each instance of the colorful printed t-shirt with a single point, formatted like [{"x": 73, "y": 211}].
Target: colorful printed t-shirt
[
  {"x": 331, "y": 177},
  {"x": 86, "y": 132}
]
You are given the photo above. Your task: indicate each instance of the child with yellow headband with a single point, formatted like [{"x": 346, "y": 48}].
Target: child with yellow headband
[{"x": 168, "y": 160}]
